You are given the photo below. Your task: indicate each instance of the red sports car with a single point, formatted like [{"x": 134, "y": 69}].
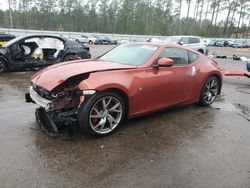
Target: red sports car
[{"x": 131, "y": 80}]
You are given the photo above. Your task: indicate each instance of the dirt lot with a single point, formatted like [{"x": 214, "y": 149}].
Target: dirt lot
[{"x": 186, "y": 146}]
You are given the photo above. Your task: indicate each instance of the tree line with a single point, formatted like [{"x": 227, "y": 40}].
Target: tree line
[{"x": 150, "y": 17}]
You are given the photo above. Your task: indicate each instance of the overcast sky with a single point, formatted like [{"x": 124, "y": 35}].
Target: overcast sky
[
  {"x": 3, "y": 4},
  {"x": 221, "y": 16}
]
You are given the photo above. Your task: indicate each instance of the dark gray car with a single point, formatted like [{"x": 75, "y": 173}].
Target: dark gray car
[{"x": 37, "y": 51}]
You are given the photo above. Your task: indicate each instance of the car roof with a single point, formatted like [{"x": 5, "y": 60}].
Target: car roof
[
  {"x": 42, "y": 35},
  {"x": 31, "y": 36},
  {"x": 185, "y": 36}
]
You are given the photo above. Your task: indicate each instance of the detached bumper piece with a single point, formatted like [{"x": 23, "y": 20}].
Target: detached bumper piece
[
  {"x": 51, "y": 129},
  {"x": 59, "y": 129}
]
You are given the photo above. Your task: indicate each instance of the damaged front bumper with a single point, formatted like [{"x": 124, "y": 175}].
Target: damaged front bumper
[{"x": 34, "y": 97}]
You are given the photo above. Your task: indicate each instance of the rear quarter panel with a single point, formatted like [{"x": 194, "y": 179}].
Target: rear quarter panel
[{"x": 205, "y": 68}]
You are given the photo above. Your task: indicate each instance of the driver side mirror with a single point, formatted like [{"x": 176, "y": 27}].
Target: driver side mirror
[{"x": 165, "y": 62}]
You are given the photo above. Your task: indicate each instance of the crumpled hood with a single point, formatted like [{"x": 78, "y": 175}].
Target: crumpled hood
[{"x": 52, "y": 76}]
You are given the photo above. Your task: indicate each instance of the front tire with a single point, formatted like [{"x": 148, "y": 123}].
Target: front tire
[
  {"x": 102, "y": 114},
  {"x": 2, "y": 66},
  {"x": 209, "y": 91}
]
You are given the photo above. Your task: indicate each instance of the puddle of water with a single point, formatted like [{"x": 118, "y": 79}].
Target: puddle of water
[
  {"x": 245, "y": 90},
  {"x": 222, "y": 104}
]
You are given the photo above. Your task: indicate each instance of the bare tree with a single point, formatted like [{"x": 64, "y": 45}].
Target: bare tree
[
  {"x": 178, "y": 8},
  {"x": 213, "y": 6},
  {"x": 201, "y": 12},
  {"x": 189, "y": 3},
  {"x": 229, "y": 4},
  {"x": 207, "y": 11},
  {"x": 217, "y": 12},
  {"x": 244, "y": 12},
  {"x": 197, "y": 9},
  {"x": 10, "y": 14}
]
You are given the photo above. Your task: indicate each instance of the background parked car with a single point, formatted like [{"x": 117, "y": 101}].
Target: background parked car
[
  {"x": 90, "y": 39},
  {"x": 193, "y": 42},
  {"x": 240, "y": 44},
  {"x": 212, "y": 43},
  {"x": 102, "y": 39},
  {"x": 36, "y": 51},
  {"x": 221, "y": 43},
  {"x": 4, "y": 38},
  {"x": 230, "y": 43},
  {"x": 111, "y": 41}
]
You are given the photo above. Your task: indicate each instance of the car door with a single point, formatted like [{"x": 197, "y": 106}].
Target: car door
[
  {"x": 21, "y": 54},
  {"x": 167, "y": 86}
]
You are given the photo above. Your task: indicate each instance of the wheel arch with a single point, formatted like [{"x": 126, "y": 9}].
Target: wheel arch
[
  {"x": 218, "y": 76},
  {"x": 201, "y": 51},
  {"x": 220, "y": 81},
  {"x": 2, "y": 58},
  {"x": 122, "y": 94},
  {"x": 68, "y": 54}
]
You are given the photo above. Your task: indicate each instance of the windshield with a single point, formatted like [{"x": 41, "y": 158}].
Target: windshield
[
  {"x": 172, "y": 39},
  {"x": 130, "y": 54}
]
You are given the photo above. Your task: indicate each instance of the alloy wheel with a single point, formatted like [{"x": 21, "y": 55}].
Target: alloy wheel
[
  {"x": 210, "y": 91},
  {"x": 105, "y": 115}
]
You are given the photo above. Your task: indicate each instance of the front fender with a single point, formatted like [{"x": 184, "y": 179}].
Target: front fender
[
  {"x": 101, "y": 81},
  {"x": 85, "y": 85}
]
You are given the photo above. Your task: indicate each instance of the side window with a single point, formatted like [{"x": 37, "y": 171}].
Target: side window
[
  {"x": 194, "y": 40},
  {"x": 192, "y": 57},
  {"x": 179, "y": 56},
  {"x": 184, "y": 40}
]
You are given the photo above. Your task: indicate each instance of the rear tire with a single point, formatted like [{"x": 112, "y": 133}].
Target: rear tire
[
  {"x": 2, "y": 66},
  {"x": 102, "y": 114},
  {"x": 209, "y": 91}
]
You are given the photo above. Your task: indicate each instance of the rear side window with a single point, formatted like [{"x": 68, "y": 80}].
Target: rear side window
[
  {"x": 192, "y": 57},
  {"x": 193, "y": 40},
  {"x": 179, "y": 56}
]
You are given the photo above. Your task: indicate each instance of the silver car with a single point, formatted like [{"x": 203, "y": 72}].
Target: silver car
[{"x": 193, "y": 42}]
